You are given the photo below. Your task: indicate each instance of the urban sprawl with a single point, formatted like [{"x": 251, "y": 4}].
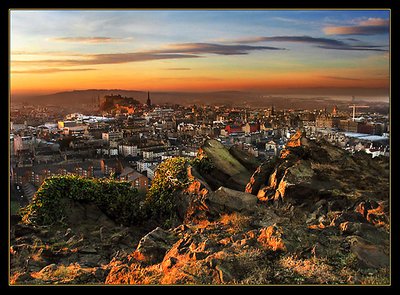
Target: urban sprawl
[{"x": 127, "y": 140}]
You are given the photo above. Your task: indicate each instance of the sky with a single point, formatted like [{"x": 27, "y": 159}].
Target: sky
[{"x": 199, "y": 50}]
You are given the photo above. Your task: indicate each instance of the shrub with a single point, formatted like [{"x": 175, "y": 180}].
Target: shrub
[
  {"x": 203, "y": 165},
  {"x": 117, "y": 199},
  {"x": 170, "y": 176}
]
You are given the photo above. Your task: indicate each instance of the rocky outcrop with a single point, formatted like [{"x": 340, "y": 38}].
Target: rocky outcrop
[
  {"x": 75, "y": 252},
  {"x": 313, "y": 216},
  {"x": 265, "y": 246},
  {"x": 260, "y": 176},
  {"x": 226, "y": 169},
  {"x": 228, "y": 200},
  {"x": 245, "y": 158},
  {"x": 153, "y": 246},
  {"x": 308, "y": 171}
]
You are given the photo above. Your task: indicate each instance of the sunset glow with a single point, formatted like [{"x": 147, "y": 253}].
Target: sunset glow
[{"x": 198, "y": 50}]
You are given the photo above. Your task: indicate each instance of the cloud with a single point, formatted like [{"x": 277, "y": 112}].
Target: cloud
[
  {"x": 375, "y": 21},
  {"x": 340, "y": 78},
  {"x": 214, "y": 48},
  {"x": 48, "y": 71},
  {"x": 52, "y": 53},
  {"x": 325, "y": 43},
  {"x": 371, "y": 26},
  {"x": 174, "y": 51},
  {"x": 93, "y": 40},
  {"x": 98, "y": 59},
  {"x": 178, "y": 69}
]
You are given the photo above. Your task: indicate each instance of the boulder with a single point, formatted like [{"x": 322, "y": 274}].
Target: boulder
[
  {"x": 153, "y": 246},
  {"x": 369, "y": 255},
  {"x": 227, "y": 200},
  {"x": 260, "y": 177},
  {"x": 367, "y": 231},
  {"x": 245, "y": 158},
  {"x": 227, "y": 170}
]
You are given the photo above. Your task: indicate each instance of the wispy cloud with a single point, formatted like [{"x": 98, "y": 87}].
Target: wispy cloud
[
  {"x": 341, "y": 78},
  {"x": 98, "y": 59},
  {"x": 44, "y": 53},
  {"x": 178, "y": 69},
  {"x": 173, "y": 51},
  {"x": 325, "y": 43},
  {"x": 215, "y": 48},
  {"x": 90, "y": 40},
  {"x": 371, "y": 26},
  {"x": 48, "y": 71}
]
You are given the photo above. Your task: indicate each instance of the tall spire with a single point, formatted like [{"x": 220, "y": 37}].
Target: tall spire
[{"x": 148, "y": 102}]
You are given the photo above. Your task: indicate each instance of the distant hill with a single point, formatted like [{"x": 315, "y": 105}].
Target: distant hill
[{"x": 233, "y": 98}]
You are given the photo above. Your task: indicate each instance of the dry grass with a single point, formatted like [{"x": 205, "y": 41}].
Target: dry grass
[
  {"x": 271, "y": 238},
  {"x": 236, "y": 222},
  {"x": 313, "y": 270},
  {"x": 61, "y": 273}
]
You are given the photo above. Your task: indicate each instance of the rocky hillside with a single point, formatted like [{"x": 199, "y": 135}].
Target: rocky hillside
[{"x": 314, "y": 215}]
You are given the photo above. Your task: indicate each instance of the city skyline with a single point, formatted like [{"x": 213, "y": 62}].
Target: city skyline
[{"x": 200, "y": 50}]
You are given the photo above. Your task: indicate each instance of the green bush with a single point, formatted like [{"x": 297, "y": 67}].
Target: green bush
[
  {"x": 170, "y": 176},
  {"x": 117, "y": 199},
  {"x": 204, "y": 165}
]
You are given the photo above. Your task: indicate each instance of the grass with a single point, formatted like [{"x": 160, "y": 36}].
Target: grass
[{"x": 235, "y": 221}]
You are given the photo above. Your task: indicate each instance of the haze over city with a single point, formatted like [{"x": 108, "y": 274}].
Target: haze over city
[{"x": 298, "y": 52}]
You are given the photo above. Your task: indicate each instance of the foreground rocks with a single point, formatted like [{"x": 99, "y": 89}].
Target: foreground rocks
[
  {"x": 315, "y": 215},
  {"x": 264, "y": 247},
  {"x": 77, "y": 253}
]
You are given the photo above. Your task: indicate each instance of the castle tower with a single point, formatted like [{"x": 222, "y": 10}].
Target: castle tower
[{"x": 334, "y": 111}]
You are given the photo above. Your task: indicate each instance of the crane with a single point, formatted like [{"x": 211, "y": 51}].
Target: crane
[{"x": 354, "y": 109}]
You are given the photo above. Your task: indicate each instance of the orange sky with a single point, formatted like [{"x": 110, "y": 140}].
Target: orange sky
[{"x": 197, "y": 50}]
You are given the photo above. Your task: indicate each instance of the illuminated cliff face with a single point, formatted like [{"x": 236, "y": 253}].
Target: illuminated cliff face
[
  {"x": 118, "y": 103},
  {"x": 295, "y": 140},
  {"x": 124, "y": 109}
]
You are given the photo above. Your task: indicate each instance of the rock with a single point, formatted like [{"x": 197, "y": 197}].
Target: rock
[
  {"x": 21, "y": 279},
  {"x": 296, "y": 183},
  {"x": 90, "y": 260},
  {"x": 68, "y": 233},
  {"x": 23, "y": 230},
  {"x": 225, "y": 275},
  {"x": 87, "y": 250},
  {"x": 227, "y": 170},
  {"x": 228, "y": 200},
  {"x": 170, "y": 262},
  {"x": 271, "y": 238},
  {"x": 100, "y": 274},
  {"x": 337, "y": 205},
  {"x": 373, "y": 212},
  {"x": 48, "y": 270},
  {"x": 348, "y": 216},
  {"x": 366, "y": 231},
  {"x": 77, "y": 212},
  {"x": 190, "y": 202},
  {"x": 260, "y": 177},
  {"x": 368, "y": 254},
  {"x": 198, "y": 255},
  {"x": 245, "y": 158},
  {"x": 153, "y": 246}
]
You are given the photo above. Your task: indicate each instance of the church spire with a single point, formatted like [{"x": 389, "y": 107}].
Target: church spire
[{"x": 148, "y": 102}]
